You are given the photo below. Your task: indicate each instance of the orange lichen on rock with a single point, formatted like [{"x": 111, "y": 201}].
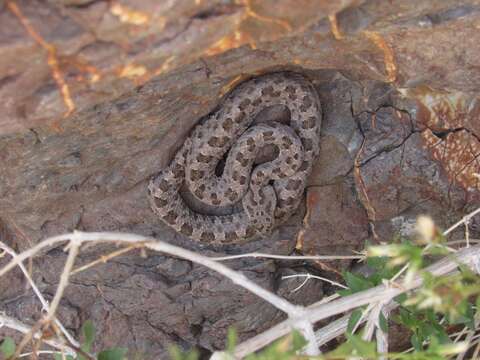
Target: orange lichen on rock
[
  {"x": 243, "y": 34},
  {"x": 132, "y": 71},
  {"x": 167, "y": 65},
  {"x": 52, "y": 59},
  {"x": 458, "y": 152},
  {"x": 440, "y": 110},
  {"x": 250, "y": 12},
  {"x": 129, "y": 16},
  {"x": 312, "y": 199},
  {"x": 93, "y": 74},
  {"x": 334, "y": 26},
  {"x": 362, "y": 188},
  {"x": 231, "y": 41},
  {"x": 231, "y": 84},
  {"x": 388, "y": 55},
  {"x": 447, "y": 117}
]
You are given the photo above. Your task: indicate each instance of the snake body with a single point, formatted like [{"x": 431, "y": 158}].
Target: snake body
[{"x": 269, "y": 192}]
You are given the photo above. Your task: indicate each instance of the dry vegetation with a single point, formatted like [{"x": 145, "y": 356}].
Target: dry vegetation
[{"x": 376, "y": 303}]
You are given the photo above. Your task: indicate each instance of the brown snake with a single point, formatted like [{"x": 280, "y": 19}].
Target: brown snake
[{"x": 269, "y": 192}]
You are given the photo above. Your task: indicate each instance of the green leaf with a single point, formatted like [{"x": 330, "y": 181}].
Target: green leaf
[
  {"x": 401, "y": 298},
  {"x": 113, "y": 354},
  {"x": 438, "y": 250},
  {"x": 8, "y": 347},
  {"x": 382, "y": 321},
  {"x": 416, "y": 342},
  {"x": 382, "y": 271},
  {"x": 355, "y": 346},
  {"x": 426, "y": 331},
  {"x": 408, "y": 319},
  {"x": 353, "y": 320},
  {"x": 443, "y": 336},
  {"x": 428, "y": 279},
  {"x": 192, "y": 355},
  {"x": 175, "y": 353},
  {"x": 282, "y": 349},
  {"x": 298, "y": 341},
  {"x": 88, "y": 331},
  {"x": 231, "y": 340},
  {"x": 469, "y": 317},
  {"x": 355, "y": 283},
  {"x": 377, "y": 262},
  {"x": 344, "y": 351},
  {"x": 363, "y": 348}
]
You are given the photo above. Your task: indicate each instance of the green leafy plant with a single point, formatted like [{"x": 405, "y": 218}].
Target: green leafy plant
[
  {"x": 356, "y": 347},
  {"x": 7, "y": 348},
  {"x": 283, "y": 349},
  {"x": 177, "y": 354}
]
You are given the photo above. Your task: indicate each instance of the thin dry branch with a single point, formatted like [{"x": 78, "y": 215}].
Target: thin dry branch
[
  {"x": 290, "y": 257},
  {"x": 339, "y": 326},
  {"x": 382, "y": 336},
  {"x": 465, "y": 220},
  {"x": 46, "y": 321},
  {"x": 104, "y": 258},
  {"x": 14, "y": 324},
  {"x": 39, "y": 295},
  {"x": 308, "y": 276},
  {"x": 72, "y": 254}
]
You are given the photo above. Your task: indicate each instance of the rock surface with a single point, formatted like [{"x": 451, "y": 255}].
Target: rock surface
[{"x": 97, "y": 96}]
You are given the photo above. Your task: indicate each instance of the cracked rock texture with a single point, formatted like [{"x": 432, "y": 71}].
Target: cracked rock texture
[{"x": 97, "y": 96}]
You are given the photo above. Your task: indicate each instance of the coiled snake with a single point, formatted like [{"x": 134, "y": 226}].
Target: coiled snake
[{"x": 269, "y": 192}]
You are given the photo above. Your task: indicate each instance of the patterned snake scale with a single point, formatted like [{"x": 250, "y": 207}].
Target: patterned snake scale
[{"x": 269, "y": 192}]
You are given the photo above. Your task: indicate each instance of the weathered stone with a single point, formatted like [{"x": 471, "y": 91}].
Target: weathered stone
[
  {"x": 335, "y": 223},
  {"x": 97, "y": 97}
]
